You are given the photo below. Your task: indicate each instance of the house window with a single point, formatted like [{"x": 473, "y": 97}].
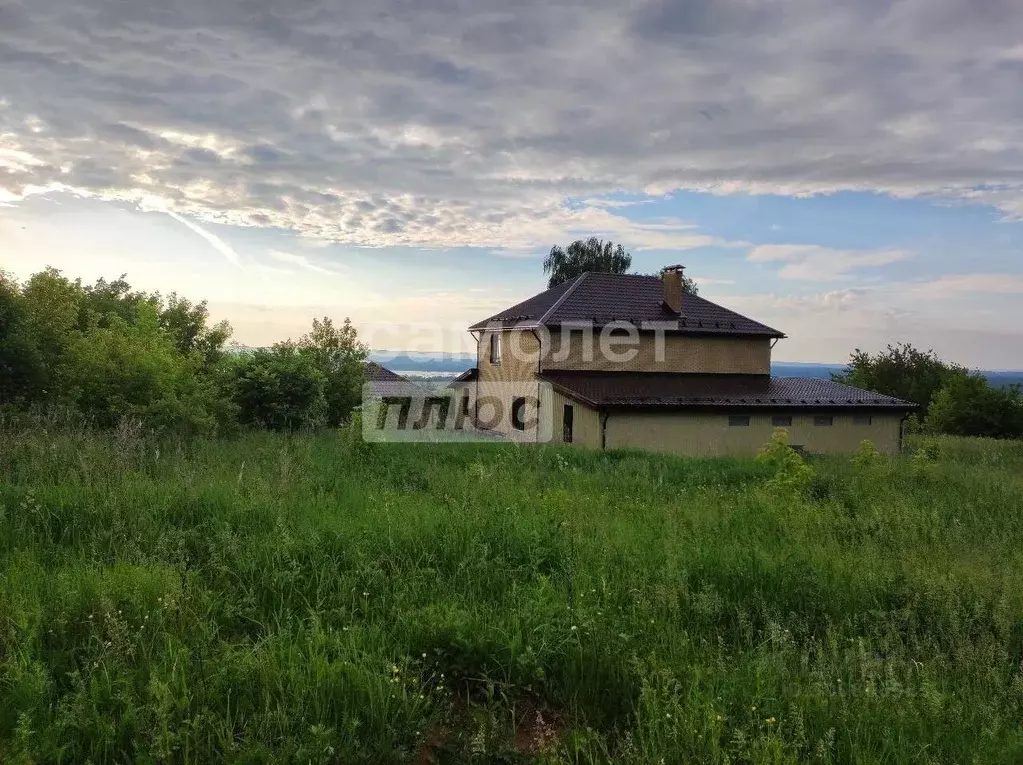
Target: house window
[
  {"x": 566, "y": 424},
  {"x": 518, "y": 412},
  {"x": 861, "y": 419},
  {"x": 465, "y": 405},
  {"x": 495, "y": 348},
  {"x": 738, "y": 420},
  {"x": 781, "y": 421},
  {"x": 823, "y": 420}
]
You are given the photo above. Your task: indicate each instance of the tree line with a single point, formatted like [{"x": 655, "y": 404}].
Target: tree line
[{"x": 105, "y": 352}]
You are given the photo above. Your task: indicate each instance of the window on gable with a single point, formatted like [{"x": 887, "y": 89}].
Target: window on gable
[
  {"x": 495, "y": 348},
  {"x": 823, "y": 420},
  {"x": 566, "y": 424},
  {"x": 518, "y": 413},
  {"x": 465, "y": 405},
  {"x": 781, "y": 421},
  {"x": 861, "y": 419},
  {"x": 738, "y": 420}
]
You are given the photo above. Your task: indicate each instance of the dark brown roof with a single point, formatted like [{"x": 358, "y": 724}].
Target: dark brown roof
[
  {"x": 373, "y": 372},
  {"x": 605, "y": 298},
  {"x": 656, "y": 389},
  {"x": 467, "y": 376}
]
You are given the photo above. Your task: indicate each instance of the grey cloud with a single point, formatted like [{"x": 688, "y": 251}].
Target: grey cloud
[
  {"x": 201, "y": 156},
  {"x": 695, "y": 22},
  {"x": 263, "y": 154},
  {"x": 457, "y": 122}
]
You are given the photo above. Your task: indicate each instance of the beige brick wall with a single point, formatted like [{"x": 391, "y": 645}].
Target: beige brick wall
[
  {"x": 670, "y": 353},
  {"x": 462, "y": 390},
  {"x": 710, "y": 434},
  {"x": 500, "y": 383},
  {"x": 585, "y": 421}
]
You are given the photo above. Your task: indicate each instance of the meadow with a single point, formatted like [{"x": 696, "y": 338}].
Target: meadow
[{"x": 309, "y": 598}]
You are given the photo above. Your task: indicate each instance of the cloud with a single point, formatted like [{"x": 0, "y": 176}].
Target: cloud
[
  {"x": 834, "y": 301},
  {"x": 469, "y": 123},
  {"x": 811, "y": 261},
  {"x": 967, "y": 285},
  {"x": 706, "y": 281},
  {"x": 215, "y": 241},
  {"x": 302, "y": 262}
]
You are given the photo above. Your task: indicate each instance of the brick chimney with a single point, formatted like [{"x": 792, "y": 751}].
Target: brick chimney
[{"x": 671, "y": 283}]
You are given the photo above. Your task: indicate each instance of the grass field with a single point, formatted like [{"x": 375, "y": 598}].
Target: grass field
[{"x": 307, "y": 599}]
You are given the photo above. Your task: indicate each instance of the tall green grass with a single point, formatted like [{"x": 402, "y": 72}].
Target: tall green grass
[{"x": 311, "y": 599}]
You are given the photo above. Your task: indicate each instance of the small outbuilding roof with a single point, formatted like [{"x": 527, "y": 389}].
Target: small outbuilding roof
[{"x": 469, "y": 375}]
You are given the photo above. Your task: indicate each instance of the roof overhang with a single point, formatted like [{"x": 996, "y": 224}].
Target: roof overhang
[{"x": 648, "y": 327}]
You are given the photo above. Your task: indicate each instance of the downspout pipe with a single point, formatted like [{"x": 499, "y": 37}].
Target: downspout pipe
[
  {"x": 902, "y": 431},
  {"x": 476, "y": 398},
  {"x": 539, "y": 361}
]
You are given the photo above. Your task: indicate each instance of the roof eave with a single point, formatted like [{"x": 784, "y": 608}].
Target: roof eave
[
  {"x": 499, "y": 324},
  {"x": 705, "y": 406},
  {"x": 762, "y": 405}
]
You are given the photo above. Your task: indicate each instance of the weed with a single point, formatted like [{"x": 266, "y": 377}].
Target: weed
[{"x": 301, "y": 598}]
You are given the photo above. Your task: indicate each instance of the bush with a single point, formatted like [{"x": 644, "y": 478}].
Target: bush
[
  {"x": 867, "y": 454},
  {"x": 353, "y": 444},
  {"x": 791, "y": 473},
  {"x": 901, "y": 371},
  {"x": 134, "y": 371},
  {"x": 280, "y": 388},
  {"x": 22, "y": 374},
  {"x": 969, "y": 406}
]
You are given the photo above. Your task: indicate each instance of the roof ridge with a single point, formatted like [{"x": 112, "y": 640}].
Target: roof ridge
[{"x": 557, "y": 303}]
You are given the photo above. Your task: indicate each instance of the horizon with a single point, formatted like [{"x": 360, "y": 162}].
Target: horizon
[{"x": 851, "y": 175}]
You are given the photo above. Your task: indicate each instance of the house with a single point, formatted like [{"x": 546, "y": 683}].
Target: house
[
  {"x": 383, "y": 380},
  {"x": 407, "y": 404},
  {"x": 609, "y": 361}
]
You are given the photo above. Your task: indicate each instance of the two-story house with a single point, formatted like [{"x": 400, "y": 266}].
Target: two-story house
[{"x": 609, "y": 361}]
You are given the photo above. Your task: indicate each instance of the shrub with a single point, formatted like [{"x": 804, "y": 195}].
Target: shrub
[
  {"x": 866, "y": 455},
  {"x": 791, "y": 473},
  {"x": 352, "y": 442},
  {"x": 280, "y": 388},
  {"x": 970, "y": 406}
]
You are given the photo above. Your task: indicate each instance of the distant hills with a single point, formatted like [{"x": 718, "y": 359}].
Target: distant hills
[{"x": 439, "y": 364}]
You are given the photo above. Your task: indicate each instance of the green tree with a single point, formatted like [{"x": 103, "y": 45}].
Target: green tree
[
  {"x": 341, "y": 358},
  {"x": 103, "y": 301},
  {"x": 585, "y": 255},
  {"x": 280, "y": 388},
  {"x": 22, "y": 375},
  {"x": 967, "y": 405},
  {"x": 187, "y": 324},
  {"x": 53, "y": 306},
  {"x": 132, "y": 370},
  {"x": 901, "y": 371}
]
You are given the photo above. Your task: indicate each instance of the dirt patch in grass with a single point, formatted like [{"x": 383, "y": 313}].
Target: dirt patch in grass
[{"x": 521, "y": 733}]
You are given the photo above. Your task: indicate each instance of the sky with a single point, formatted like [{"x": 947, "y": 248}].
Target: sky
[{"x": 849, "y": 173}]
